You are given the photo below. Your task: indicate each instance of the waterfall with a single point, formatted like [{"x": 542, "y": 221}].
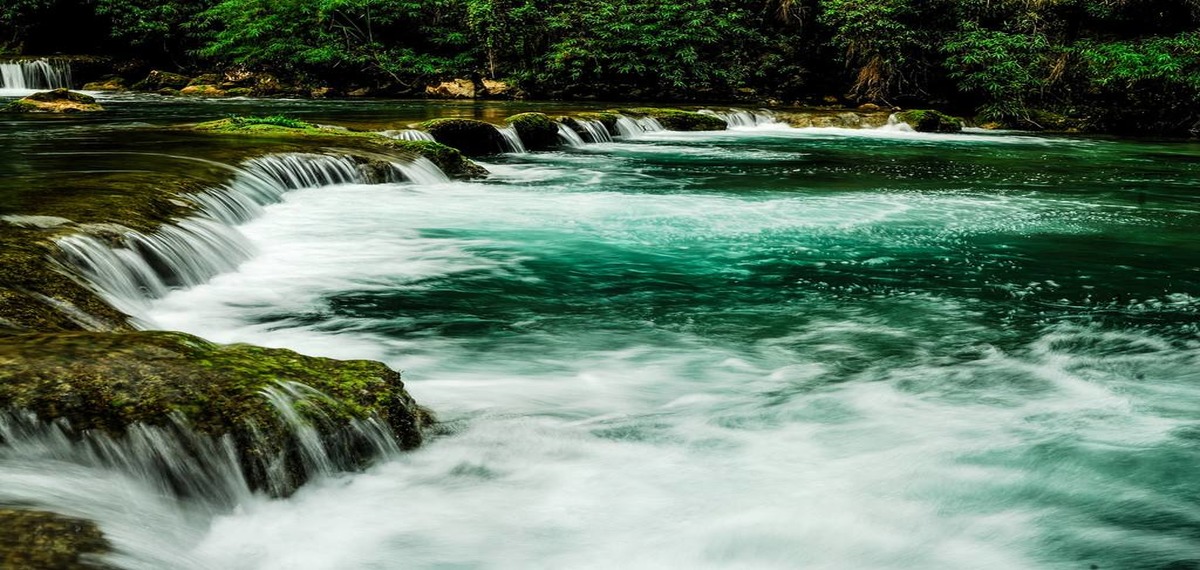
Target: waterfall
[
  {"x": 176, "y": 460},
  {"x": 596, "y": 131},
  {"x": 739, "y": 118},
  {"x": 35, "y": 74},
  {"x": 632, "y": 128},
  {"x": 132, "y": 268},
  {"x": 895, "y": 124},
  {"x": 569, "y": 136},
  {"x": 511, "y": 140},
  {"x": 408, "y": 135}
]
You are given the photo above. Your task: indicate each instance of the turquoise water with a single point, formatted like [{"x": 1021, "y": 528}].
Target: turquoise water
[{"x": 766, "y": 348}]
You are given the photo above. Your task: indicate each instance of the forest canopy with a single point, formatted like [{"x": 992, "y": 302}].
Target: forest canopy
[{"x": 1123, "y": 64}]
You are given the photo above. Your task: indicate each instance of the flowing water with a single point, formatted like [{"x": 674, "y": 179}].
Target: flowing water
[{"x": 764, "y": 348}]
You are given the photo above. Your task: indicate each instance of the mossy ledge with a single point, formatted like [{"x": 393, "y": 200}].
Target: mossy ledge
[
  {"x": 471, "y": 137},
  {"x": 108, "y": 382},
  {"x": 537, "y": 130},
  {"x": 448, "y": 158},
  {"x": 930, "y": 121},
  {"x": 40, "y": 539},
  {"x": 55, "y": 101},
  {"x": 678, "y": 119}
]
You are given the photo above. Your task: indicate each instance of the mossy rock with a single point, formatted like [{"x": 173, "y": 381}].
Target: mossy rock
[
  {"x": 537, "y": 130},
  {"x": 203, "y": 90},
  {"x": 449, "y": 159},
  {"x": 110, "y": 83},
  {"x": 49, "y": 541},
  {"x": 108, "y": 382},
  {"x": 930, "y": 121},
  {"x": 55, "y": 101},
  {"x": 472, "y": 138},
  {"x": 678, "y": 119},
  {"x": 158, "y": 80}
]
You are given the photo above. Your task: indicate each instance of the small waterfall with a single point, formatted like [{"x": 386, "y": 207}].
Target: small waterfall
[
  {"x": 408, "y": 135},
  {"x": 596, "y": 131},
  {"x": 739, "y": 118},
  {"x": 895, "y": 124},
  {"x": 569, "y": 136},
  {"x": 512, "y": 140},
  {"x": 132, "y": 268},
  {"x": 175, "y": 460},
  {"x": 35, "y": 74},
  {"x": 632, "y": 128}
]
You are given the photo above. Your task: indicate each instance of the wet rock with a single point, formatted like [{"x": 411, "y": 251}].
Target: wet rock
[
  {"x": 205, "y": 79},
  {"x": 112, "y": 382},
  {"x": 678, "y": 120},
  {"x": 322, "y": 92},
  {"x": 930, "y": 121},
  {"x": 110, "y": 83},
  {"x": 56, "y": 101},
  {"x": 537, "y": 130},
  {"x": 203, "y": 90},
  {"x": 472, "y": 138},
  {"x": 158, "y": 80},
  {"x": 42, "y": 540}
]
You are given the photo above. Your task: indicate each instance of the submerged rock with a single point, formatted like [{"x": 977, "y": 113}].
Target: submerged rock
[
  {"x": 56, "y": 101},
  {"x": 203, "y": 90},
  {"x": 537, "y": 130},
  {"x": 930, "y": 121},
  {"x": 678, "y": 119},
  {"x": 471, "y": 137},
  {"x": 114, "y": 382},
  {"x": 39, "y": 539}
]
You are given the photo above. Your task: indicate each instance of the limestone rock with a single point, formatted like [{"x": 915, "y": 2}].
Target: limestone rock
[{"x": 158, "y": 80}]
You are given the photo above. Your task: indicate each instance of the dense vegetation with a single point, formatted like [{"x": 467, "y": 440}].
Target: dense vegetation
[{"x": 1112, "y": 64}]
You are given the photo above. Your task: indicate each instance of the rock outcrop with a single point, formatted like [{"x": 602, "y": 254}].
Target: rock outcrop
[
  {"x": 56, "y": 101},
  {"x": 930, "y": 121},
  {"x": 42, "y": 540},
  {"x": 537, "y": 130},
  {"x": 471, "y": 137}
]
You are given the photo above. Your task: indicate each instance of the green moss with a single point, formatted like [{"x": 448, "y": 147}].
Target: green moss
[
  {"x": 537, "y": 130},
  {"x": 930, "y": 121},
  {"x": 109, "y": 381},
  {"x": 472, "y": 138},
  {"x": 452, "y": 162},
  {"x": 678, "y": 119},
  {"x": 55, "y": 101},
  {"x": 39, "y": 539}
]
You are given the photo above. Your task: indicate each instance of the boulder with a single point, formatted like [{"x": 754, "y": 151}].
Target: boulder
[
  {"x": 56, "y": 101},
  {"x": 493, "y": 89},
  {"x": 205, "y": 79},
  {"x": 187, "y": 387},
  {"x": 455, "y": 89},
  {"x": 679, "y": 120},
  {"x": 110, "y": 83},
  {"x": 203, "y": 90},
  {"x": 930, "y": 121},
  {"x": 158, "y": 80},
  {"x": 537, "y": 130},
  {"x": 40, "y": 539},
  {"x": 472, "y": 138},
  {"x": 322, "y": 93}
]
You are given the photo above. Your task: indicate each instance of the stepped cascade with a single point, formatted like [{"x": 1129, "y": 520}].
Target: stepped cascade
[{"x": 34, "y": 74}]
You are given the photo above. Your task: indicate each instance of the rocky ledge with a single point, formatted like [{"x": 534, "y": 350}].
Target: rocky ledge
[{"x": 56, "y": 101}]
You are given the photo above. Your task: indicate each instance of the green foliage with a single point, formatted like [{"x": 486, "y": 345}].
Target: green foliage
[
  {"x": 881, "y": 38},
  {"x": 1003, "y": 70},
  {"x": 273, "y": 120}
]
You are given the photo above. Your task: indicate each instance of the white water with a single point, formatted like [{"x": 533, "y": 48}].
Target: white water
[
  {"x": 23, "y": 77},
  {"x": 742, "y": 119},
  {"x": 569, "y": 136},
  {"x": 597, "y": 132},
  {"x": 512, "y": 140},
  {"x": 408, "y": 135}
]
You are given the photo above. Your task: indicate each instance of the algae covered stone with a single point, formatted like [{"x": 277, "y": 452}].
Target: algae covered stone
[
  {"x": 678, "y": 119},
  {"x": 110, "y": 382},
  {"x": 39, "y": 539},
  {"x": 56, "y": 101},
  {"x": 930, "y": 121},
  {"x": 537, "y": 130},
  {"x": 471, "y": 137}
]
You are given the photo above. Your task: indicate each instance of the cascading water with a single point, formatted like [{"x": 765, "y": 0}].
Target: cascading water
[
  {"x": 511, "y": 140},
  {"x": 569, "y": 136},
  {"x": 133, "y": 268},
  {"x": 408, "y": 135},
  {"x": 25, "y": 75},
  {"x": 596, "y": 131},
  {"x": 739, "y": 118},
  {"x": 895, "y": 124},
  {"x": 628, "y": 128}
]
